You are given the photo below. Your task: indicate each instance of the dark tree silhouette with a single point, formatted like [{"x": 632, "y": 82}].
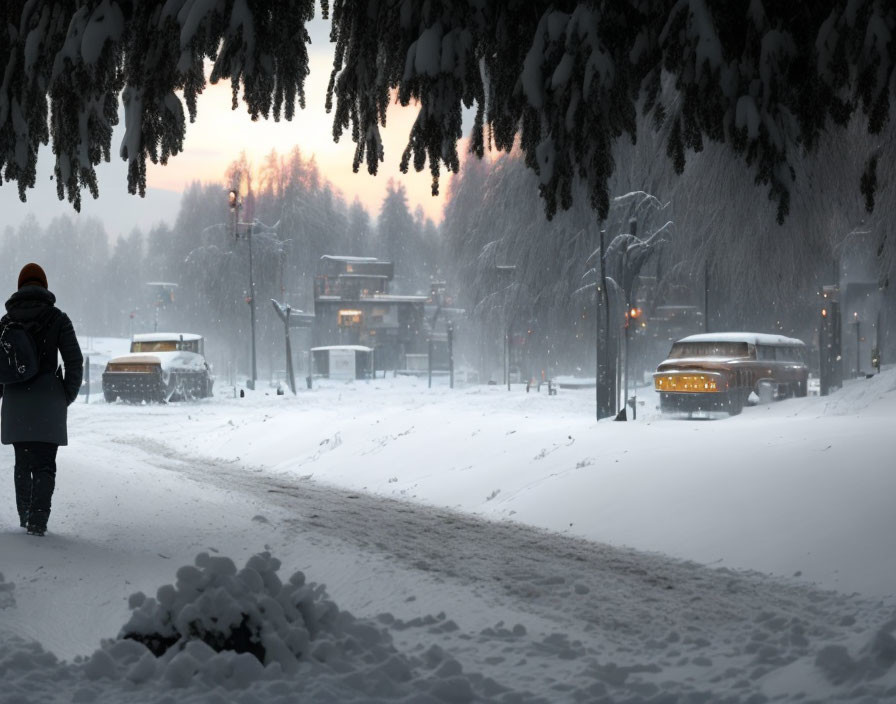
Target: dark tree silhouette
[{"x": 568, "y": 77}]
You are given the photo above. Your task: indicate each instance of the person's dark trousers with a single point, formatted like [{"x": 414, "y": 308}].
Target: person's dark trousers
[{"x": 35, "y": 479}]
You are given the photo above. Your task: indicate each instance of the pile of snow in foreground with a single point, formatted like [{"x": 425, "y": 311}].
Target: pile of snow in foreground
[
  {"x": 220, "y": 629},
  {"x": 226, "y": 635}
]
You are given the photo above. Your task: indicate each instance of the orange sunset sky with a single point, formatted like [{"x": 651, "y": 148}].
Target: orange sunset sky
[
  {"x": 217, "y": 138},
  {"x": 219, "y": 134}
]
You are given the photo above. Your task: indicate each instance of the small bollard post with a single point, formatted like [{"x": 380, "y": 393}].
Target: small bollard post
[
  {"x": 87, "y": 379},
  {"x": 450, "y": 356},
  {"x": 429, "y": 364}
]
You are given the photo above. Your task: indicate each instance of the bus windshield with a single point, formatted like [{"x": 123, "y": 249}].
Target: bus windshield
[{"x": 729, "y": 350}]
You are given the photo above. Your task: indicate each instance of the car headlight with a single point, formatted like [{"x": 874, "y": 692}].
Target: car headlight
[
  {"x": 132, "y": 367},
  {"x": 686, "y": 382}
]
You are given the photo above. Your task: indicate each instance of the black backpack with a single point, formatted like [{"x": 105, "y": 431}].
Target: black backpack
[{"x": 19, "y": 359}]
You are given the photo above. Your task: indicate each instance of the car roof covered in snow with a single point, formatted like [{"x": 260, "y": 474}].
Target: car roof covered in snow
[
  {"x": 752, "y": 338},
  {"x": 165, "y": 336},
  {"x": 356, "y": 348},
  {"x": 341, "y": 258},
  {"x": 395, "y": 298}
]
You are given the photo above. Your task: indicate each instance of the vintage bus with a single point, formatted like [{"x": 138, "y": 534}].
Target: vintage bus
[{"x": 718, "y": 371}]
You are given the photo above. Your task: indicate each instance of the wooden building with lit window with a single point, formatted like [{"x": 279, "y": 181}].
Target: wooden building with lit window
[{"x": 353, "y": 306}]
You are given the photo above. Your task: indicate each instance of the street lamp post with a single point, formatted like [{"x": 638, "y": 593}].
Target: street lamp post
[
  {"x": 235, "y": 205},
  {"x": 631, "y": 315}
]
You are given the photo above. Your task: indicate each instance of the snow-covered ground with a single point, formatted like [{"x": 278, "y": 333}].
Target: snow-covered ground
[{"x": 475, "y": 545}]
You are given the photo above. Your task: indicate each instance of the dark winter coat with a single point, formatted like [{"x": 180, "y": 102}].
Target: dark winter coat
[{"x": 36, "y": 410}]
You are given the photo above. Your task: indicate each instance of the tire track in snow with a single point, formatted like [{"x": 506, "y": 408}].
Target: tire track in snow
[{"x": 632, "y": 619}]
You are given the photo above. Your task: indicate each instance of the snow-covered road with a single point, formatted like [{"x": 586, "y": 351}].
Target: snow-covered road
[{"x": 529, "y": 614}]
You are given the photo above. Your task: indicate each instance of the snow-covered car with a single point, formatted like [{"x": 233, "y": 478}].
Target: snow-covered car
[
  {"x": 719, "y": 371},
  {"x": 160, "y": 367}
]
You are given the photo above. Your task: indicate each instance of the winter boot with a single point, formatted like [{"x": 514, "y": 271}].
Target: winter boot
[
  {"x": 37, "y": 522},
  {"x": 22, "y": 479},
  {"x": 42, "y": 485}
]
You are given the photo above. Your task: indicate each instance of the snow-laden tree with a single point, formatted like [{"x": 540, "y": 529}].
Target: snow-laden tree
[
  {"x": 761, "y": 275},
  {"x": 359, "y": 236},
  {"x": 397, "y": 235},
  {"x": 123, "y": 276},
  {"x": 68, "y": 63},
  {"x": 516, "y": 272},
  {"x": 766, "y": 80}
]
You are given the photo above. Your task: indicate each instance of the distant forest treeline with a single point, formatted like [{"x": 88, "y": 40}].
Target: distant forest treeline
[
  {"x": 715, "y": 224},
  {"x": 720, "y": 245},
  {"x": 300, "y": 216}
]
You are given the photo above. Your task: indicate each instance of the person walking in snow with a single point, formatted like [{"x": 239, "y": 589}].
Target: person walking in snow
[{"x": 34, "y": 412}]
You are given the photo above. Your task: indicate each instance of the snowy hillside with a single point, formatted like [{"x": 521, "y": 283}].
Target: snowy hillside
[{"x": 475, "y": 545}]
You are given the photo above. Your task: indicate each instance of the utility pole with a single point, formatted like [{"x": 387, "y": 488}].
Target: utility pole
[
  {"x": 235, "y": 205},
  {"x": 292, "y": 319},
  {"x": 252, "y": 309},
  {"x": 605, "y": 295},
  {"x": 598, "y": 292},
  {"x": 628, "y": 322},
  {"x": 824, "y": 355}
]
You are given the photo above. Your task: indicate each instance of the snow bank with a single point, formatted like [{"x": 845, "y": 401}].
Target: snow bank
[
  {"x": 220, "y": 629},
  {"x": 223, "y": 635}
]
